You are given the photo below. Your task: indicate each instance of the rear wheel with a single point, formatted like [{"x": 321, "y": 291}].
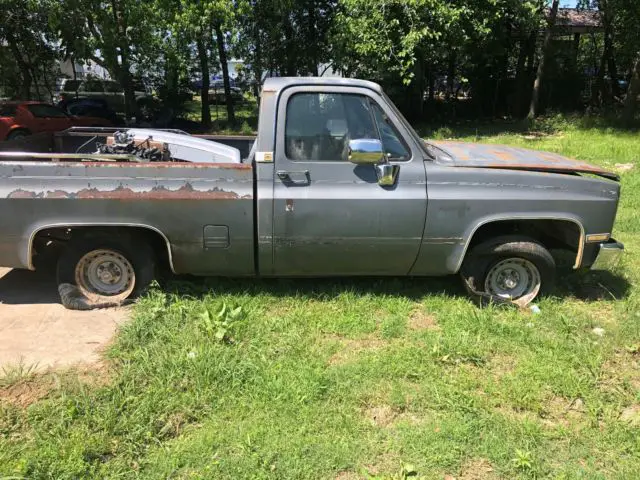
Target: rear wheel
[
  {"x": 509, "y": 269},
  {"x": 99, "y": 271},
  {"x": 21, "y": 133}
]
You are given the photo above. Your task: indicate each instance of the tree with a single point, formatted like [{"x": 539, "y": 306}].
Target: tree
[
  {"x": 115, "y": 34},
  {"x": 535, "y": 95},
  {"x": 30, "y": 52}
]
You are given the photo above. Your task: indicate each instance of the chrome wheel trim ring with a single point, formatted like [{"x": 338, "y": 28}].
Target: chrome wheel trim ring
[
  {"x": 513, "y": 279},
  {"x": 105, "y": 273}
]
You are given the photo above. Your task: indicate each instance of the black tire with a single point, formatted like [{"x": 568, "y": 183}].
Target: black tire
[
  {"x": 480, "y": 261},
  {"x": 79, "y": 293},
  {"x": 20, "y": 133}
]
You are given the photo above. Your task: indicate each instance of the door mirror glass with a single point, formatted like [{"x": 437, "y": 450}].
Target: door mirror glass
[{"x": 366, "y": 151}]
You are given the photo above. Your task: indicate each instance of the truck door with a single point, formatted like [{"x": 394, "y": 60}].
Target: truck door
[{"x": 331, "y": 217}]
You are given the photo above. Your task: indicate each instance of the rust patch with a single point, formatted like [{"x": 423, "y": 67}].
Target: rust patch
[
  {"x": 502, "y": 155},
  {"x": 186, "y": 192},
  {"x": 56, "y": 194},
  {"x": 20, "y": 193}
]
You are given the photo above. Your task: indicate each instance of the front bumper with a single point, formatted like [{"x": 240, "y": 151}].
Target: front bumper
[{"x": 608, "y": 255}]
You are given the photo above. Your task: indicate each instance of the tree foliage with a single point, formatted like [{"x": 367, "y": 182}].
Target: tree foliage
[{"x": 485, "y": 50}]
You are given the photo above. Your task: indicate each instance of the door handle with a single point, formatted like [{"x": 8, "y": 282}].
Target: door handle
[{"x": 289, "y": 176}]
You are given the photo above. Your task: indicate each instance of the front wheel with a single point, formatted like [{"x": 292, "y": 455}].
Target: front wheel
[
  {"x": 99, "y": 271},
  {"x": 509, "y": 269}
]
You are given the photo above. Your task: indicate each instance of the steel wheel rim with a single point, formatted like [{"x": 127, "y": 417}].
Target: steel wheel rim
[
  {"x": 105, "y": 273},
  {"x": 513, "y": 278}
]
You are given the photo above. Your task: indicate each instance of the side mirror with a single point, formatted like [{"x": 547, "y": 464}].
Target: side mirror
[
  {"x": 387, "y": 174},
  {"x": 366, "y": 151}
]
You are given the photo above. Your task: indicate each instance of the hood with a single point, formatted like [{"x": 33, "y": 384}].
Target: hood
[{"x": 477, "y": 155}]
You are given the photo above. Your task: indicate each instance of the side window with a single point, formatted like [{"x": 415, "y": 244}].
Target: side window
[
  {"x": 319, "y": 125},
  {"x": 41, "y": 110},
  {"x": 93, "y": 86},
  {"x": 392, "y": 141},
  {"x": 113, "y": 87}
]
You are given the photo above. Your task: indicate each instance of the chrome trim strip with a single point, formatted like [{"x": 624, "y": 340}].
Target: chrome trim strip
[
  {"x": 533, "y": 217},
  {"x": 104, "y": 224}
]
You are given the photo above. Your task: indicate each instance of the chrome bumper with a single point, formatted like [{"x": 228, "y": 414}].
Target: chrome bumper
[{"x": 609, "y": 254}]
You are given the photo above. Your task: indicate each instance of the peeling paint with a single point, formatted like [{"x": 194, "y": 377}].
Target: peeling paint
[{"x": 186, "y": 192}]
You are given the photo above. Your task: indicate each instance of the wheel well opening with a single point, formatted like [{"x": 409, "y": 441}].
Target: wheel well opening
[
  {"x": 49, "y": 243},
  {"x": 563, "y": 235}
]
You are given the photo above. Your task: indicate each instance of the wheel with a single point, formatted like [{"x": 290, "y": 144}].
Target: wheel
[
  {"x": 99, "y": 271},
  {"x": 21, "y": 133},
  {"x": 509, "y": 269}
]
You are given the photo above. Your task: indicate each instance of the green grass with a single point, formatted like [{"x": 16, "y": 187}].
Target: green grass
[{"x": 361, "y": 378}]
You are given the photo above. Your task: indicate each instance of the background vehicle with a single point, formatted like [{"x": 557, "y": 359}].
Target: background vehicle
[
  {"x": 19, "y": 119},
  {"x": 91, "y": 107},
  {"x": 108, "y": 90},
  {"x": 217, "y": 95},
  {"x": 336, "y": 183}
]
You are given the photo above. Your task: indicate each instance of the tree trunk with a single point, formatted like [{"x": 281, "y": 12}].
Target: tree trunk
[
  {"x": 257, "y": 65},
  {"x": 203, "y": 57},
  {"x": 222, "y": 53},
  {"x": 130, "y": 108},
  {"x": 521, "y": 75},
  {"x": 608, "y": 52},
  {"x": 451, "y": 73},
  {"x": 631, "y": 100},
  {"x": 546, "y": 47},
  {"x": 290, "y": 66},
  {"x": 313, "y": 39},
  {"x": 25, "y": 71}
]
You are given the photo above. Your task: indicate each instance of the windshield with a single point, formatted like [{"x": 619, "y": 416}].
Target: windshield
[{"x": 421, "y": 143}]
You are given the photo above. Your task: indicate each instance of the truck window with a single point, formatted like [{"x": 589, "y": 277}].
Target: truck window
[
  {"x": 319, "y": 125},
  {"x": 392, "y": 141},
  {"x": 92, "y": 86},
  {"x": 113, "y": 87}
]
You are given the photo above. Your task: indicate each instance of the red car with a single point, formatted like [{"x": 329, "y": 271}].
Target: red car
[{"x": 19, "y": 119}]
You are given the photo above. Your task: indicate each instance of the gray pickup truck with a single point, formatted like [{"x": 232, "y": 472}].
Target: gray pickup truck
[{"x": 336, "y": 183}]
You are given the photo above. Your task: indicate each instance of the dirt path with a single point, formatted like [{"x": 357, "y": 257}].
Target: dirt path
[{"x": 37, "y": 330}]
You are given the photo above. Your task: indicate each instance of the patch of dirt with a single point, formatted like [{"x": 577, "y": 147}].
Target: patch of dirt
[
  {"x": 475, "y": 469},
  {"x": 25, "y": 392},
  {"x": 381, "y": 415},
  {"x": 37, "y": 386},
  {"x": 348, "y": 475},
  {"x": 631, "y": 415},
  {"x": 564, "y": 412},
  {"x": 385, "y": 463},
  {"x": 624, "y": 167},
  {"x": 351, "y": 347},
  {"x": 420, "y": 320},
  {"x": 501, "y": 365},
  {"x": 621, "y": 373}
]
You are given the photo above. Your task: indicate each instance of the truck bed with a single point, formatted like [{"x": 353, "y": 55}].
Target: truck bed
[{"x": 204, "y": 210}]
